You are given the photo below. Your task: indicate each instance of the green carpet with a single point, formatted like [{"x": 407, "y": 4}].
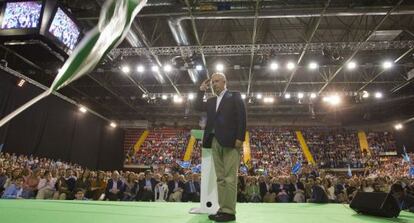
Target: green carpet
[{"x": 19, "y": 211}]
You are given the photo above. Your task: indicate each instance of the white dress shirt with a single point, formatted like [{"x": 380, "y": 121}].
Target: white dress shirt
[{"x": 219, "y": 97}]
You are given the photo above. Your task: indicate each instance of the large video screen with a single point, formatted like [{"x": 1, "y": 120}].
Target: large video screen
[
  {"x": 64, "y": 29},
  {"x": 22, "y": 15}
]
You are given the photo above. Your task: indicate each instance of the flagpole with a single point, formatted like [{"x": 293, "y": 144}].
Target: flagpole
[{"x": 23, "y": 107}]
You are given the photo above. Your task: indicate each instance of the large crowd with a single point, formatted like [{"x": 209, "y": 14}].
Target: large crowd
[{"x": 28, "y": 177}]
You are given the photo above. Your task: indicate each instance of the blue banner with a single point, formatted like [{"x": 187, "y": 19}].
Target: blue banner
[
  {"x": 184, "y": 164},
  {"x": 196, "y": 169},
  {"x": 296, "y": 168},
  {"x": 411, "y": 171},
  {"x": 243, "y": 169}
]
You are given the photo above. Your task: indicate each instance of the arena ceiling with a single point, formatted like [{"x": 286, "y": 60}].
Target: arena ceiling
[{"x": 246, "y": 37}]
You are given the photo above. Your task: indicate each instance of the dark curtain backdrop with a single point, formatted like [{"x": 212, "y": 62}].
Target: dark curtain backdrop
[{"x": 56, "y": 129}]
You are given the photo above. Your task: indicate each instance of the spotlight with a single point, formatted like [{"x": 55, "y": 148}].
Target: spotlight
[
  {"x": 387, "y": 64},
  {"x": 154, "y": 68},
  {"x": 287, "y": 96},
  {"x": 243, "y": 96},
  {"x": 274, "y": 66},
  {"x": 268, "y": 100},
  {"x": 164, "y": 97},
  {"x": 177, "y": 99},
  {"x": 300, "y": 95},
  {"x": 290, "y": 66},
  {"x": 365, "y": 94},
  {"x": 199, "y": 67},
  {"x": 140, "y": 69},
  {"x": 167, "y": 68},
  {"x": 21, "y": 82},
  {"x": 378, "y": 95},
  {"x": 312, "y": 95},
  {"x": 219, "y": 67},
  {"x": 83, "y": 109},
  {"x": 144, "y": 95},
  {"x": 333, "y": 100},
  {"x": 351, "y": 65},
  {"x": 113, "y": 124},
  {"x": 125, "y": 69},
  {"x": 190, "y": 96},
  {"x": 259, "y": 96},
  {"x": 398, "y": 126},
  {"x": 313, "y": 65}
]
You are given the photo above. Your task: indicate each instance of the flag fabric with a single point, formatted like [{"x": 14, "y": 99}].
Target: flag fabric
[
  {"x": 296, "y": 168},
  {"x": 349, "y": 171},
  {"x": 114, "y": 23},
  {"x": 243, "y": 169},
  {"x": 405, "y": 156},
  {"x": 184, "y": 164},
  {"x": 411, "y": 172},
  {"x": 196, "y": 169}
]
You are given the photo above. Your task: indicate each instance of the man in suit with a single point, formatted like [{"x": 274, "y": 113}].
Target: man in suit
[
  {"x": 114, "y": 188},
  {"x": 146, "y": 187},
  {"x": 191, "y": 189},
  {"x": 224, "y": 134},
  {"x": 175, "y": 188}
]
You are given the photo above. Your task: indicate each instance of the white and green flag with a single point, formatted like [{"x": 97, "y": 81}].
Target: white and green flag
[{"x": 113, "y": 26}]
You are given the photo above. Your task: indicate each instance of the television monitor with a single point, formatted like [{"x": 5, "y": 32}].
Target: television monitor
[
  {"x": 64, "y": 29},
  {"x": 22, "y": 15}
]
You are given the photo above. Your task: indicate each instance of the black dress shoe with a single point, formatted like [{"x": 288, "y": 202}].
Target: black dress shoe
[
  {"x": 213, "y": 216},
  {"x": 224, "y": 217}
]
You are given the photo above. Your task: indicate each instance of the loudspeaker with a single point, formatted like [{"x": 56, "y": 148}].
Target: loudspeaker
[{"x": 375, "y": 203}]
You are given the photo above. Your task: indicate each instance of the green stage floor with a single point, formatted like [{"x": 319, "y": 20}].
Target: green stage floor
[{"x": 33, "y": 211}]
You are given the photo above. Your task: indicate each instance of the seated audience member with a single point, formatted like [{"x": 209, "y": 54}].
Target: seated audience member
[
  {"x": 175, "y": 188},
  {"x": 318, "y": 193},
  {"x": 46, "y": 187},
  {"x": 161, "y": 190},
  {"x": 146, "y": 187},
  {"x": 84, "y": 182},
  {"x": 114, "y": 188},
  {"x": 98, "y": 185},
  {"x": 252, "y": 190},
  {"x": 80, "y": 195},
  {"x": 14, "y": 190},
  {"x": 130, "y": 188},
  {"x": 191, "y": 190}
]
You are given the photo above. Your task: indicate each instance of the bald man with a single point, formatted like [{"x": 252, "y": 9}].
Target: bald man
[{"x": 224, "y": 134}]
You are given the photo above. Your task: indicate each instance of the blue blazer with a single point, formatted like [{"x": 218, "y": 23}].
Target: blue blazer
[
  {"x": 119, "y": 185},
  {"x": 228, "y": 123}
]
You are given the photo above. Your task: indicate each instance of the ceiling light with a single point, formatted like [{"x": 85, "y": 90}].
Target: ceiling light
[
  {"x": 177, "y": 99},
  {"x": 125, "y": 69},
  {"x": 300, "y": 95},
  {"x": 140, "y": 69},
  {"x": 199, "y": 67},
  {"x": 219, "y": 67},
  {"x": 164, "y": 97},
  {"x": 259, "y": 96},
  {"x": 274, "y": 66},
  {"x": 83, "y": 109},
  {"x": 312, "y": 95},
  {"x": 365, "y": 94},
  {"x": 268, "y": 100},
  {"x": 351, "y": 65},
  {"x": 378, "y": 95},
  {"x": 290, "y": 66},
  {"x": 287, "y": 96},
  {"x": 190, "y": 96},
  {"x": 113, "y": 124},
  {"x": 167, "y": 68},
  {"x": 387, "y": 64},
  {"x": 154, "y": 68},
  {"x": 313, "y": 65},
  {"x": 398, "y": 126},
  {"x": 243, "y": 96}
]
